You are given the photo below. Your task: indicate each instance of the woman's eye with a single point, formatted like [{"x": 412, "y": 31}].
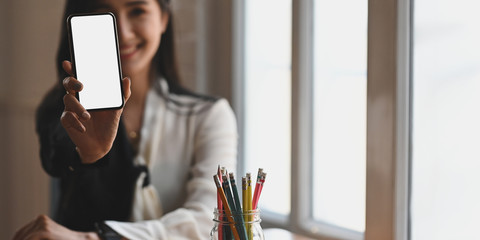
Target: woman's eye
[{"x": 137, "y": 12}]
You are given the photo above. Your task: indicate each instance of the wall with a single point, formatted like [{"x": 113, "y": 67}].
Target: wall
[
  {"x": 204, "y": 45},
  {"x": 29, "y": 31}
]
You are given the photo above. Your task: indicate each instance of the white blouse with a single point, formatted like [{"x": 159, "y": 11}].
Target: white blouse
[{"x": 184, "y": 138}]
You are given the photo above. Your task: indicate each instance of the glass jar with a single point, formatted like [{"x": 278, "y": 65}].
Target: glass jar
[{"x": 246, "y": 224}]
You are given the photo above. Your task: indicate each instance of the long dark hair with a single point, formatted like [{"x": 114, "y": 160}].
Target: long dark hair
[{"x": 164, "y": 61}]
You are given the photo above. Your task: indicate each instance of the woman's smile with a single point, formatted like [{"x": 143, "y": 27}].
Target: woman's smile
[{"x": 128, "y": 51}]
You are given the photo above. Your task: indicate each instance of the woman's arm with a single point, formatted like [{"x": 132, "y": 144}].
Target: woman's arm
[{"x": 57, "y": 151}]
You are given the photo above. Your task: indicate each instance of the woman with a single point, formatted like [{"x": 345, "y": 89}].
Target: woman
[{"x": 144, "y": 171}]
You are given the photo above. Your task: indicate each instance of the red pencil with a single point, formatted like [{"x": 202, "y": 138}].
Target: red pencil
[
  {"x": 219, "y": 204},
  {"x": 258, "y": 188}
]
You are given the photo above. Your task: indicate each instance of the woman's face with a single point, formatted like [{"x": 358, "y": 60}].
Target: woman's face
[{"x": 140, "y": 24}]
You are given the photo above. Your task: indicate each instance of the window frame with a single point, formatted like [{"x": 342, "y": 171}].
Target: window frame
[
  {"x": 403, "y": 126},
  {"x": 388, "y": 119}
]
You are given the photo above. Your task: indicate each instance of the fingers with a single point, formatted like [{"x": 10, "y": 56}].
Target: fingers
[
  {"x": 31, "y": 228},
  {"x": 22, "y": 232},
  {"x": 126, "y": 88},
  {"x": 73, "y": 114},
  {"x": 67, "y": 66},
  {"x": 72, "y": 85},
  {"x": 73, "y": 105},
  {"x": 70, "y": 120}
]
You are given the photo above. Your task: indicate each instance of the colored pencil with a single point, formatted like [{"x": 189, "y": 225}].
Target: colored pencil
[
  {"x": 219, "y": 208},
  {"x": 228, "y": 193},
  {"x": 239, "y": 227},
  {"x": 227, "y": 232},
  {"x": 236, "y": 198},
  {"x": 244, "y": 198},
  {"x": 238, "y": 208},
  {"x": 258, "y": 188},
  {"x": 228, "y": 189},
  {"x": 226, "y": 207},
  {"x": 249, "y": 205}
]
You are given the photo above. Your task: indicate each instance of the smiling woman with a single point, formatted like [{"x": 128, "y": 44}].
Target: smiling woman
[{"x": 154, "y": 184}]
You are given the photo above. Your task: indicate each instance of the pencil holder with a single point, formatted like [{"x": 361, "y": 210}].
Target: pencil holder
[{"x": 239, "y": 225}]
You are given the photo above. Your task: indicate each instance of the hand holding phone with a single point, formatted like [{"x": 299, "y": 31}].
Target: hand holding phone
[{"x": 93, "y": 133}]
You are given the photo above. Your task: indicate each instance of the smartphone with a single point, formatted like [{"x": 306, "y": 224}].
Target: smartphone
[{"x": 96, "y": 60}]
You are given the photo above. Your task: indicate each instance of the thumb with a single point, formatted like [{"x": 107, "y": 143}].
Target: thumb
[{"x": 126, "y": 88}]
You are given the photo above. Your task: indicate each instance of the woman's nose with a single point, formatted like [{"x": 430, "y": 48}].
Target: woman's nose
[{"x": 125, "y": 30}]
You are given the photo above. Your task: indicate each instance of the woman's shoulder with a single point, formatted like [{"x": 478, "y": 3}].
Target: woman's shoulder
[{"x": 185, "y": 101}]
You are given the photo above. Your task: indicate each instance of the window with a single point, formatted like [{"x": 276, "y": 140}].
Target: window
[
  {"x": 340, "y": 99},
  {"x": 418, "y": 105},
  {"x": 445, "y": 120},
  {"x": 329, "y": 64},
  {"x": 267, "y": 99}
]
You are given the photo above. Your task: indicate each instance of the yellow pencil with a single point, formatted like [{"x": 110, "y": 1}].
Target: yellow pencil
[
  {"x": 226, "y": 207},
  {"x": 244, "y": 199},
  {"x": 249, "y": 206}
]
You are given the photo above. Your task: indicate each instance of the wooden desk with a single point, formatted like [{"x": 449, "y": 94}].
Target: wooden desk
[{"x": 278, "y": 233}]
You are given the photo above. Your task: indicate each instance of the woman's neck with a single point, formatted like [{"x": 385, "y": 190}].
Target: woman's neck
[
  {"x": 139, "y": 87},
  {"x": 134, "y": 108}
]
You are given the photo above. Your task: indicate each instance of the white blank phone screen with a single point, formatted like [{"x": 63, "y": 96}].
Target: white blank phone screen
[{"x": 96, "y": 61}]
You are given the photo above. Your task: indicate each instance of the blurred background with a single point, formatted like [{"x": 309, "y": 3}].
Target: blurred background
[
  {"x": 29, "y": 33},
  {"x": 363, "y": 113}
]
